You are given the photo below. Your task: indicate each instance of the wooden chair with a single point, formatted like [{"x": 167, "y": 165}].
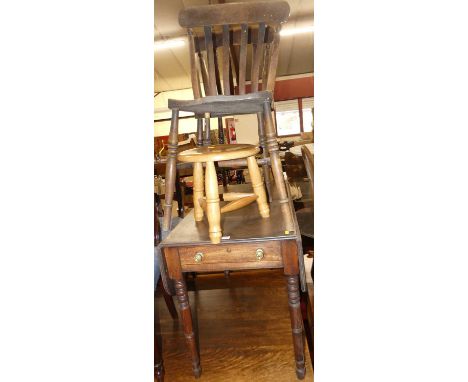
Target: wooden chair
[
  {"x": 246, "y": 35},
  {"x": 208, "y": 155}
]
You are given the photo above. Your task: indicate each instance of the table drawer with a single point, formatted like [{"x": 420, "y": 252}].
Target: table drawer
[{"x": 231, "y": 256}]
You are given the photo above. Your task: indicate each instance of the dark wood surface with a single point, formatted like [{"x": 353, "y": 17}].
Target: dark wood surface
[
  {"x": 244, "y": 330},
  {"x": 274, "y": 12},
  {"x": 245, "y": 225},
  {"x": 251, "y": 103}
]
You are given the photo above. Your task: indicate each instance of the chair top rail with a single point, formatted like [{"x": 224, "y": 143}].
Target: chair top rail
[{"x": 272, "y": 13}]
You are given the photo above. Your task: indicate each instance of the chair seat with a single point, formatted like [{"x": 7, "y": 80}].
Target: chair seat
[
  {"x": 216, "y": 153},
  {"x": 223, "y": 104}
]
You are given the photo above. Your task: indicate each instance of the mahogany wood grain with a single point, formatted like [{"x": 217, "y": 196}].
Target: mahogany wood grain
[{"x": 231, "y": 257}]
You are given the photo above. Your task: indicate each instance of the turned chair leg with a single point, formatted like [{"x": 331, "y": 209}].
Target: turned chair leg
[
  {"x": 276, "y": 168},
  {"x": 258, "y": 187},
  {"x": 171, "y": 170},
  {"x": 197, "y": 190},
  {"x": 207, "y": 132},
  {"x": 199, "y": 132},
  {"x": 265, "y": 167},
  {"x": 213, "y": 212}
]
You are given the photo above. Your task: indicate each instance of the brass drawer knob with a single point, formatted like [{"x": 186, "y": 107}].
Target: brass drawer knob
[
  {"x": 198, "y": 257},
  {"x": 259, "y": 254}
]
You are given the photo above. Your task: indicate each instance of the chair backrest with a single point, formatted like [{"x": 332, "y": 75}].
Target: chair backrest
[{"x": 232, "y": 28}]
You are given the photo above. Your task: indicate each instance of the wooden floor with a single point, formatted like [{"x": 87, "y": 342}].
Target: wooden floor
[{"x": 244, "y": 330}]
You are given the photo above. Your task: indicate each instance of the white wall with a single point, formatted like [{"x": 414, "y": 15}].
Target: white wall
[{"x": 246, "y": 129}]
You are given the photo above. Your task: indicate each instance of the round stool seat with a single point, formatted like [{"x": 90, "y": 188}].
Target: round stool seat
[{"x": 216, "y": 153}]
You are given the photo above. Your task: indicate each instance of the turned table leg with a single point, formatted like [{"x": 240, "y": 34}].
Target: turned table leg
[
  {"x": 291, "y": 271},
  {"x": 213, "y": 212},
  {"x": 258, "y": 187},
  {"x": 296, "y": 323},
  {"x": 182, "y": 297}
]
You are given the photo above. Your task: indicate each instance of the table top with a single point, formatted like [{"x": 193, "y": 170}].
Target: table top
[{"x": 243, "y": 225}]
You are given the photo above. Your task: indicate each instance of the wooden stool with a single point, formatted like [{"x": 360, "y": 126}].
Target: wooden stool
[{"x": 210, "y": 204}]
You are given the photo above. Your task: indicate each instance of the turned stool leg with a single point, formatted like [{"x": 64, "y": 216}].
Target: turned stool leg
[
  {"x": 171, "y": 170},
  {"x": 273, "y": 149},
  {"x": 213, "y": 212},
  {"x": 197, "y": 190},
  {"x": 258, "y": 187}
]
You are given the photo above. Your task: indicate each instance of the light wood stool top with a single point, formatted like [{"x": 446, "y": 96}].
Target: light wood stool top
[{"x": 216, "y": 153}]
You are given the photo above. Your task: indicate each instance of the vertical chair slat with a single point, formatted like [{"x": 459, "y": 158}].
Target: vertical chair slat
[
  {"x": 234, "y": 67},
  {"x": 266, "y": 62},
  {"x": 202, "y": 67},
  {"x": 211, "y": 62},
  {"x": 226, "y": 60},
  {"x": 258, "y": 54},
  {"x": 243, "y": 58},
  {"x": 193, "y": 67},
  {"x": 219, "y": 89},
  {"x": 273, "y": 60}
]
